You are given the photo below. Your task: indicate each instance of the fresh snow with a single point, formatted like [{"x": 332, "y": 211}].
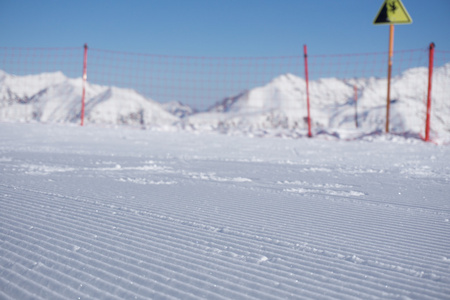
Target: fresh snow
[{"x": 124, "y": 213}]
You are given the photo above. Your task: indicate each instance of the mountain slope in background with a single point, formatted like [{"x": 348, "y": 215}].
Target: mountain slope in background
[
  {"x": 277, "y": 106},
  {"x": 282, "y": 104},
  {"x": 179, "y": 109},
  {"x": 126, "y": 106},
  {"x": 52, "y": 97}
]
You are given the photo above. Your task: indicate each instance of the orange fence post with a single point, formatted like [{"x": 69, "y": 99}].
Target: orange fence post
[{"x": 430, "y": 79}]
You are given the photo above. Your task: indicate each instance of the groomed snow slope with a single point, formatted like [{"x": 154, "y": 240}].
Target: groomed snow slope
[{"x": 120, "y": 214}]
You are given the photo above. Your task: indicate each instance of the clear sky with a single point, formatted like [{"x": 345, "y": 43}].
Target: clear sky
[{"x": 220, "y": 27}]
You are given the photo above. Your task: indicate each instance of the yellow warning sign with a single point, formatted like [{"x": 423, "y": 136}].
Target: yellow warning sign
[{"x": 392, "y": 12}]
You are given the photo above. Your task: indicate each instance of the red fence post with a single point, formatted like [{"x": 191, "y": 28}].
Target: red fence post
[
  {"x": 84, "y": 83},
  {"x": 305, "y": 51},
  {"x": 430, "y": 77}
]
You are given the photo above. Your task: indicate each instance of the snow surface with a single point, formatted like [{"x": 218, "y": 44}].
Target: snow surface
[{"x": 103, "y": 213}]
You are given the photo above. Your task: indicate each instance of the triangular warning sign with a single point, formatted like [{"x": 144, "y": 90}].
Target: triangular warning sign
[{"x": 392, "y": 12}]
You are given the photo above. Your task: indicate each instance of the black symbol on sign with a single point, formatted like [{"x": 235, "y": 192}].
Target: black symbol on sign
[{"x": 392, "y": 7}]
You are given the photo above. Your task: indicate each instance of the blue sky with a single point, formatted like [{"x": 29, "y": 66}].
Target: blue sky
[{"x": 220, "y": 28}]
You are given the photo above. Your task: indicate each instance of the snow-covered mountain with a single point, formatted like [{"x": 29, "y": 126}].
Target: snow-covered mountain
[
  {"x": 280, "y": 105},
  {"x": 179, "y": 109},
  {"x": 126, "y": 106},
  {"x": 52, "y": 97}
]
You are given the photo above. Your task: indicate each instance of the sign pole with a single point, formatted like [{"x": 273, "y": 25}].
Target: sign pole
[
  {"x": 391, "y": 12},
  {"x": 391, "y": 54}
]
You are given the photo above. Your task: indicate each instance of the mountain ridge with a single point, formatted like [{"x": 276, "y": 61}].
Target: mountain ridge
[{"x": 278, "y": 105}]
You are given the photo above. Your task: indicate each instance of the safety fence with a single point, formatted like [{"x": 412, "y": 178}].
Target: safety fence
[{"x": 203, "y": 82}]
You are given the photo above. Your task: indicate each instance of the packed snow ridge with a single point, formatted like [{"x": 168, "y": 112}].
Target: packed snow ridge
[{"x": 278, "y": 107}]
